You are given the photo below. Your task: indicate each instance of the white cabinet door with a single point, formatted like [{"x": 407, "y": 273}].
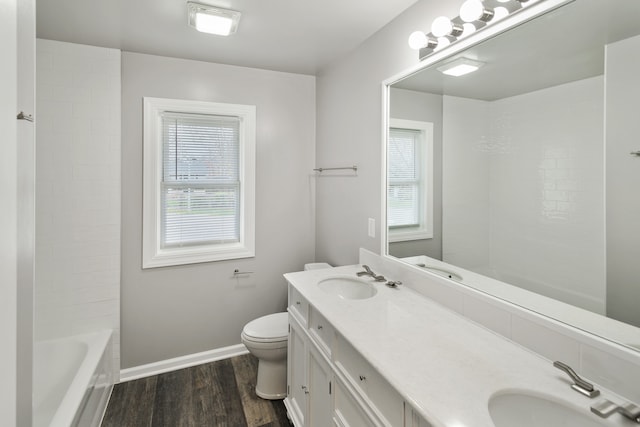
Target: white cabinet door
[
  {"x": 413, "y": 419},
  {"x": 348, "y": 412},
  {"x": 296, "y": 401},
  {"x": 320, "y": 377}
]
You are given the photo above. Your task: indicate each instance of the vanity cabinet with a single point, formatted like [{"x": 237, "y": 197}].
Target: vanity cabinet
[
  {"x": 309, "y": 383},
  {"x": 329, "y": 382}
]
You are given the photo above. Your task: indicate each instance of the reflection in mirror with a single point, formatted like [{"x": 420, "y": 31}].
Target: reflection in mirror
[{"x": 533, "y": 181}]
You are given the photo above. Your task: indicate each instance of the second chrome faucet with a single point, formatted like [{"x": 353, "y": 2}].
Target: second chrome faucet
[{"x": 368, "y": 272}]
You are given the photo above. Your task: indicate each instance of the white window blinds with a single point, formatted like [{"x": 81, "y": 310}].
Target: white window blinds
[
  {"x": 200, "y": 194},
  {"x": 403, "y": 191}
]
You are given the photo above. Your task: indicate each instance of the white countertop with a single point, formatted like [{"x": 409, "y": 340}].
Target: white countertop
[{"x": 444, "y": 365}]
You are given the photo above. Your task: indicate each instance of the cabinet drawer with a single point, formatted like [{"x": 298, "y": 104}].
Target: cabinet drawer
[
  {"x": 298, "y": 306},
  {"x": 352, "y": 364},
  {"x": 321, "y": 331},
  {"x": 387, "y": 403},
  {"x": 385, "y": 399}
]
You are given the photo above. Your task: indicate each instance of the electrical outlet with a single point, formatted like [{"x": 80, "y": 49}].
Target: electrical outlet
[{"x": 372, "y": 227}]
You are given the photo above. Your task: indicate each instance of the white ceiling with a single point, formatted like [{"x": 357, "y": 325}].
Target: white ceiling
[{"x": 300, "y": 36}]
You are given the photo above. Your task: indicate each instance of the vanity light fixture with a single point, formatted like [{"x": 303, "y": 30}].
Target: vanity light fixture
[
  {"x": 212, "y": 20},
  {"x": 474, "y": 14},
  {"x": 460, "y": 67}
]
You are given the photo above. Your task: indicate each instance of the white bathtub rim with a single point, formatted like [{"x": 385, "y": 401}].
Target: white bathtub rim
[{"x": 84, "y": 379}]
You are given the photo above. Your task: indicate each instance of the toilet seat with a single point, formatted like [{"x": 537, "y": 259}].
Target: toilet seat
[{"x": 271, "y": 328}]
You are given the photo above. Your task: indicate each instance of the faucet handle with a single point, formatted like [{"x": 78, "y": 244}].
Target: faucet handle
[
  {"x": 630, "y": 411},
  {"x": 579, "y": 384},
  {"x": 606, "y": 407}
]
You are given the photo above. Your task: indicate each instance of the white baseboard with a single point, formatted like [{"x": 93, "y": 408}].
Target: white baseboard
[{"x": 181, "y": 362}]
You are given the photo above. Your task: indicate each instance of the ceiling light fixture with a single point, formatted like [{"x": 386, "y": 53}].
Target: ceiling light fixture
[
  {"x": 460, "y": 67},
  {"x": 212, "y": 20}
]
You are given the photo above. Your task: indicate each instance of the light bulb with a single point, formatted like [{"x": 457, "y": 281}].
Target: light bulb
[
  {"x": 418, "y": 40},
  {"x": 441, "y": 26},
  {"x": 468, "y": 29},
  {"x": 473, "y": 10},
  {"x": 500, "y": 12},
  {"x": 443, "y": 42}
]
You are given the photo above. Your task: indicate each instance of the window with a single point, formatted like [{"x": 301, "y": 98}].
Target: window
[
  {"x": 410, "y": 180},
  {"x": 199, "y": 182}
]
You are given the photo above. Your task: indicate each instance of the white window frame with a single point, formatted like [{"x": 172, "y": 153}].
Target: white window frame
[
  {"x": 424, "y": 230},
  {"x": 153, "y": 255}
]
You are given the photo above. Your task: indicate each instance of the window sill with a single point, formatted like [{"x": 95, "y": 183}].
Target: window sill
[
  {"x": 182, "y": 256},
  {"x": 408, "y": 235}
]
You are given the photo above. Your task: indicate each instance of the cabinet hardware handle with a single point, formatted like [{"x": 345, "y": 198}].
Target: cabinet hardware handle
[
  {"x": 297, "y": 302},
  {"x": 319, "y": 326},
  {"x": 635, "y": 153},
  {"x": 362, "y": 378}
]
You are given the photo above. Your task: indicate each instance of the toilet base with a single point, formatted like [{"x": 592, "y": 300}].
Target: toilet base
[{"x": 272, "y": 379}]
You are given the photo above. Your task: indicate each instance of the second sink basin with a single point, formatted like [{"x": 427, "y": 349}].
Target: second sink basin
[
  {"x": 347, "y": 287},
  {"x": 524, "y": 410}
]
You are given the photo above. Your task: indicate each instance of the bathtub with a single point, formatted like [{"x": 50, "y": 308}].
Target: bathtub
[{"x": 72, "y": 380}]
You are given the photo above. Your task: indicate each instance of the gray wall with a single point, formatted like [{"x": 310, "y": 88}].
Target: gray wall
[
  {"x": 425, "y": 107},
  {"x": 174, "y": 311},
  {"x": 349, "y": 120},
  {"x": 622, "y": 177}
]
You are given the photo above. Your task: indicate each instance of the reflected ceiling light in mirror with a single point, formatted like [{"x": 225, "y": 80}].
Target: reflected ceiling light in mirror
[
  {"x": 212, "y": 20},
  {"x": 460, "y": 66}
]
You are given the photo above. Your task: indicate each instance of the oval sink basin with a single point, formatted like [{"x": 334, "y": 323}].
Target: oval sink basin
[
  {"x": 347, "y": 287},
  {"x": 523, "y": 410}
]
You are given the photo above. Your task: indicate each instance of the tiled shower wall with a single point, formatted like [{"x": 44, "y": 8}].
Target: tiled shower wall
[
  {"x": 523, "y": 190},
  {"x": 77, "y": 286}
]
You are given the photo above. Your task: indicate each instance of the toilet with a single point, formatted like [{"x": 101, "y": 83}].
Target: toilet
[{"x": 266, "y": 338}]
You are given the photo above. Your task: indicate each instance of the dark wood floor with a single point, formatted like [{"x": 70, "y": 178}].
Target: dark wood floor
[{"x": 215, "y": 394}]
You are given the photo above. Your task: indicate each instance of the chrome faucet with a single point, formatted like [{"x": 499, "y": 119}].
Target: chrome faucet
[
  {"x": 368, "y": 272},
  {"x": 579, "y": 385}
]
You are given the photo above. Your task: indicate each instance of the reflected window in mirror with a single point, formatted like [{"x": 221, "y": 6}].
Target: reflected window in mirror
[{"x": 410, "y": 177}]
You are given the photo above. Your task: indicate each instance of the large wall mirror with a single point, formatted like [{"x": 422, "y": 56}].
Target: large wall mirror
[{"x": 522, "y": 179}]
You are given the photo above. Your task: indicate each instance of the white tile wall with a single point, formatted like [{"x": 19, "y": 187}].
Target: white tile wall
[
  {"x": 524, "y": 190},
  {"x": 77, "y": 191}
]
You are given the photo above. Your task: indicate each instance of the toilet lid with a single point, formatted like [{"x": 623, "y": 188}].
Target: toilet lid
[{"x": 273, "y": 326}]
